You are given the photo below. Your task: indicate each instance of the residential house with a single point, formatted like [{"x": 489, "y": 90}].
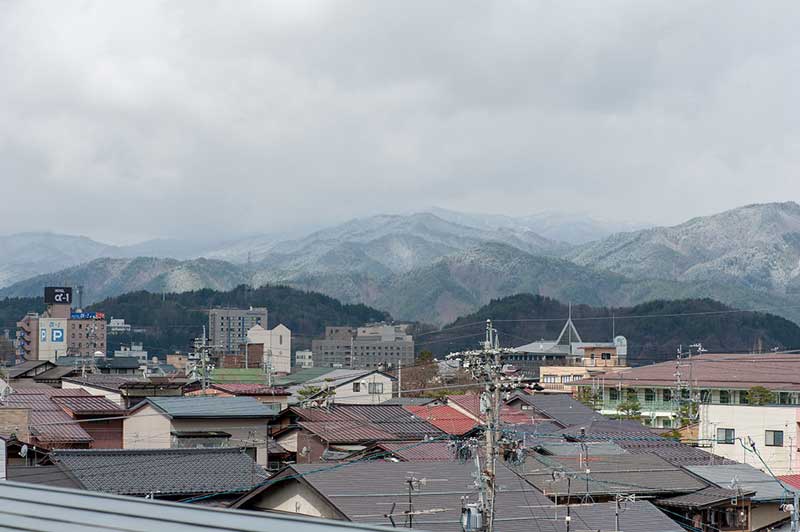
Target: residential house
[
  {"x": 769, "y": 494},
  {"x": 342, "y": 386},
  {"x": 31, "y": 507},
  {"x": 446, "y": 418},
  {"x": 716, "y": 378},
  {"x": 35, "y": 417},
  {"x": 219, "y": 475},
  {"x": 126, "y": 390},
  {"x": 375, "y": 493},
  {"x": 469, "y": 404},
  {"x": 730, "y": 430},
  {"x": 102, "y": 365},
  {"x": 179, "y": 422},
  {"x": 335, "y": 432}
]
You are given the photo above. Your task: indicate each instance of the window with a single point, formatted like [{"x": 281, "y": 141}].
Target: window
[
  {"x": 773, "y": 438},
  {"x": 566, "y": 378},
  {"x": 724, "y": 397},
  {"x": 613, "y": 394},
  {"x": 785, "y": 398},
  {"x": 606, "y": 356},
  {"x": 356, "y": 387},
  {"x": 375, "y": 388},
  {"x": 649, "y": 395},
  {"x": 743, "y": 400},
  {"x": 667, "y": 423},
  {"x": 727, "y": 436},
  {"x": 685, "y": 395},
  {"x": 549, "y": 378},
  {"x": 705, "y": 396},
  {"x": 666, "y": 394}
]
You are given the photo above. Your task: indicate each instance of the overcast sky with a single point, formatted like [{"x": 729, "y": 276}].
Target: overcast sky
[{"x": 128, "y": 120}]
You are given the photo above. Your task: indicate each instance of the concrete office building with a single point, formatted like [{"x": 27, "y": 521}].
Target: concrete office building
[
  {"x": 304, "y": 359},
  {"x": 227, "y": 327},
  {"x": 371, "y": 346},
  {"x": 43, "y": 337}
]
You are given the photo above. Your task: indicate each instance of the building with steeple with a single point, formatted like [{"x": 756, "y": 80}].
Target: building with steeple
[{"x": 568, "y": 358}]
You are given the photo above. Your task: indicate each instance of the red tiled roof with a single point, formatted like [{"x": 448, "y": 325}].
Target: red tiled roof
[
  {"x": 346, "y": 431},
  {"x": 774, "y": 371},
  {"x": 445, "y": 418},
  {"x": 792, "y": 480},
  {"x": 250, "y": 389},
  {"x": 471, "y": 403}
]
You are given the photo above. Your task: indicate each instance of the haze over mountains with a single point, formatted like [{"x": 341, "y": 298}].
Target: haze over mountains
[{"x": 435, "y": 266}]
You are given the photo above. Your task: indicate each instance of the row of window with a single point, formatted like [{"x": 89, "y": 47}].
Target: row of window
[
  {"x": 725, "y": 396},
  {"x": 563, "y": 378},
  {"x": 772, "y": 438},
  {"x": 372, "y": 387}
]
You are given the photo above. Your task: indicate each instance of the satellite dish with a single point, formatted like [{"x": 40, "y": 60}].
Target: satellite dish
[
  {"x": 304, "y": 451},
  {"x": 23, "y": 451}
]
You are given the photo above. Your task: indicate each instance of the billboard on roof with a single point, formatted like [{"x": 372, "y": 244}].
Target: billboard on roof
[{"x": 58, "y": 295}]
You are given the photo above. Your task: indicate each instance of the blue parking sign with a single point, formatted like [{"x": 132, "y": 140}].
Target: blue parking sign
[{"x": 57, "y": 335}]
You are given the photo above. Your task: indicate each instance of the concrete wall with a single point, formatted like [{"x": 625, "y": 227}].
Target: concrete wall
[
  {"x": 16, "y": 421},
  {"x": 753, "y": 422},
  {"x": 293, "y": 497},
  {"x": 146, "y": 429}
]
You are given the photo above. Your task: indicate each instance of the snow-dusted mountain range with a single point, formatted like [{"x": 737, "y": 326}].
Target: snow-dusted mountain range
[{"x": 436, "y": 265}]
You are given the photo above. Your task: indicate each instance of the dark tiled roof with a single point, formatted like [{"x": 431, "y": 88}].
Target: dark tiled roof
[
  {"x": 111, "y": 382},
  {"x": 392, "y": 419},
  {"x": 164, "y": 472},
  {"x": 89, "y": 405},
  {"x": 28, "y": 365},
  {"x": 409, "y": 401},
  {"x": 560, "y": 407},
  {"x": 31, "y": 507},
  {"x": 565, "y": 448},
  {"x": 704, "y": 498},
  {"x": 211, "y": 407},
  {"x": 620, "y": 473},
  {"x": 364, "y": 492},
  {"x": 101, "y": 362},
  {"x": 775, "y": 371},
  {"x": 746, "y": 477},
  {"x": 436, "y": 451},
  {"x": 347, "y": 431},
  {"x": 638, "y": 439},
  {"x": 471, "y": 403},
  {"x": 55, "y": 373}
]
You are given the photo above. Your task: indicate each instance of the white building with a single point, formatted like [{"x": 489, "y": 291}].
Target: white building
[
  {"x": 277, "y": 344},
  {"x": 729, "y": 429},
  {"x": 118, "y": 326},
  {"x": 304, "y": 359},
  {"x": 346, "y": 386},
  {"x": 52, "y": 338},
  {"x": 134, "y": 350}
]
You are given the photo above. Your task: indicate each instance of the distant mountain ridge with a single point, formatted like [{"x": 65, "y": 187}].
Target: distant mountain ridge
[
  {"x": 756, "y": 246},
  {"x": 421, "y": 266}
]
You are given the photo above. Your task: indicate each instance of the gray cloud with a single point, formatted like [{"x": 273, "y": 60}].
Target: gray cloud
[{"x": 138, "y": 119}]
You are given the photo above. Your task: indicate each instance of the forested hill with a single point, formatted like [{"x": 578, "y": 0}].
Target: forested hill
[
  {"x": 171, "y": 321},
  {"x": 654, "y": 330}
]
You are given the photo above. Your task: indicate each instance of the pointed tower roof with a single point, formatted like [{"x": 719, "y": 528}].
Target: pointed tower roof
[{"x": 569, "y": 333}]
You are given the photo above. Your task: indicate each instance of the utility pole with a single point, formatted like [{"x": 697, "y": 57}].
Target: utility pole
[
  {"x": 796, "y": 512},
  {"x": 486, "y": 365},
  {"x": 268, "y": 367},
  {"x": 399, "y": 377},
  {"x": 202, "y": 349}
]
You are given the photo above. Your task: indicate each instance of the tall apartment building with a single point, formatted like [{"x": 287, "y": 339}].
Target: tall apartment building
[
  {"x": 43, "y": 337},
  {"x": 370, "y": 346},
  {"x": 227, "y": 327},
  {"x": 87, "y": 333}
]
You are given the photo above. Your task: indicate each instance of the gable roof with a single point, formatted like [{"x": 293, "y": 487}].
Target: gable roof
[
  {"x": 50, "y": 425},
  {"x": 163, "y": 472},
  {"x": 112, "y": 383},
  {"x": 704, "y": 498},
  {"x": 89, "y": 405},
  {"x": 610, "y": 474},
  {"x": 562, "y": 408},
  {"x": 15, "y": 372},
  {"x": 364, "y": 491},
  {"x": 471, "y": 404},
  {"x": 337, "y": 378},
  {"x": 210, "y": 406},
  {"x": 301, "y": 376},
  {"x": 249, "y": 389},
  {"x": 408, "y": 451},
  {"x": 346, "y": 431},
  {"x": 746, "y": 477},
  {"x": 445, "y": 418},
  {"x": 30, "y": 507}
]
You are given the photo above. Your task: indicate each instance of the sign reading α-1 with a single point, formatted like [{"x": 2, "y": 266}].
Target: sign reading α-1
[{"x": 58, "y": 295}]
